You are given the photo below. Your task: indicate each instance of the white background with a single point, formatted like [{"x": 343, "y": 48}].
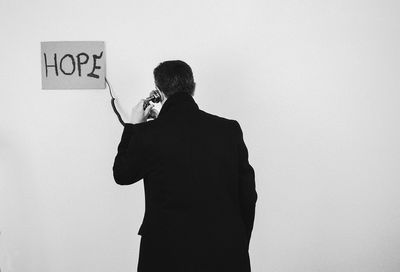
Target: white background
[{"x": 314, "y": 85}]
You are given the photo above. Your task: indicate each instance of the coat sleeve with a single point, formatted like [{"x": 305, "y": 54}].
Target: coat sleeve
[
  {"x": 247, "y": 187},
  {"x": 130, "y": 163}
]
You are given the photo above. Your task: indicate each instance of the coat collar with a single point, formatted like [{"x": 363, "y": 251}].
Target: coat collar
[{"x": 178, "y": 102}]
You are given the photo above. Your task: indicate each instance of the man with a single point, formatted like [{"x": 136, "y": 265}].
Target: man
[{"x": 200, "y": 193}]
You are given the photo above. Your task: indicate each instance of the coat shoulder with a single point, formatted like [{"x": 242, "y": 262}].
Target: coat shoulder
[{"x": 218, "y": 120}]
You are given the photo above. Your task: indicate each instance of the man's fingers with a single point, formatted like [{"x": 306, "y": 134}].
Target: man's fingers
[
  {"x": 150, "y": 108},
  {"x": 154, "y": 112},
  {"x": 147, "y": 110}
]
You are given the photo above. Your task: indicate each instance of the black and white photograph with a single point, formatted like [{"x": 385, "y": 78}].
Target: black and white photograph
[{"x": 200, "y": 136}]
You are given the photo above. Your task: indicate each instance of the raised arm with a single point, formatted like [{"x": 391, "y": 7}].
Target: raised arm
[{"x": 130, "y": 164}]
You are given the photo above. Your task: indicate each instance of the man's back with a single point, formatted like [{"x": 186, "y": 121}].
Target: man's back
[{"x": 199, "y": 189}]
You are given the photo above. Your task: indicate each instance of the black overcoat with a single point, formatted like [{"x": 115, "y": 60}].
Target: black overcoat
[{"x": 200, "y": 192}]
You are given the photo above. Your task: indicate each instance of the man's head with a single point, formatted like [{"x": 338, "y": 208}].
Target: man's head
[{"x": 174, "y": 76}]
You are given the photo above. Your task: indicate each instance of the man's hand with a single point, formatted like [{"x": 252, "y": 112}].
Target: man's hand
[
  {"x": 153, "y": 113},
  {"x": 140, "y": 115}
]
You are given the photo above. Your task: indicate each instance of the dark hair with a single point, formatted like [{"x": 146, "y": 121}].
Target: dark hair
[{"x": 174, "y": 76}]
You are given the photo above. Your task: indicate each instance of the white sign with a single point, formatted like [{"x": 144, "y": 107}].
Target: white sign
[{"x": 73, "y": 65}]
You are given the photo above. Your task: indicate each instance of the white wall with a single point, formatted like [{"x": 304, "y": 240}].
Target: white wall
[{"x": 314, "y": 84}]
